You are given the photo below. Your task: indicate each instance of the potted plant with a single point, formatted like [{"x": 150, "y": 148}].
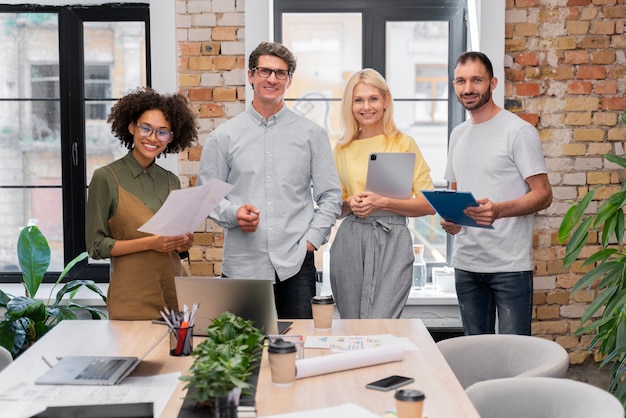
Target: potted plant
[
  {"x": 27, "y": 319},
  {"x": 605, "y": 317},
  {"x": 223, "y": 365}
]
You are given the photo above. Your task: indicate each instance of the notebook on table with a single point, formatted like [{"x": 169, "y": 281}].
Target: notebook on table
[
  {"x": 250, "y": 299},
  {"x": 390, "y": 174},
  {"x": 93, "y": 370}
]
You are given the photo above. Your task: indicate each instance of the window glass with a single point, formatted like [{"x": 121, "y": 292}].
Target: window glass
[
  {"x": 30, "y": 180},
  {"x": 328, "y": 49}
]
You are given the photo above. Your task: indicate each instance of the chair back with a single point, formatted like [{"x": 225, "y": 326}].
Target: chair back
[
  {"x": 5, "y": 358},
  {"x": 542, "y": 397},
  {"x": 475, "y": 358}
]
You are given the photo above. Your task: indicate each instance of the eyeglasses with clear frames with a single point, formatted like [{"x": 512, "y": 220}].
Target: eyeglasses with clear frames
[
  {"x": 162, "y": 135},
  {"x": 267, "y": 72}
]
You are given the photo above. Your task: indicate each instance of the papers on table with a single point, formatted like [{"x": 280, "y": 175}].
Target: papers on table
[
  {"x": 356, "y": 342},
  {"x": 25, "y": 400},
  {"x": 185, "y": 209}
]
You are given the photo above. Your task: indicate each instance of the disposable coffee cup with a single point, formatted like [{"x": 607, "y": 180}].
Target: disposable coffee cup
[
  {"x": 181, "y": 341},
  {"x": 282, "y": 356},
  {"x": 323, "y": 309},
  {"x": 409, "y": 403}
]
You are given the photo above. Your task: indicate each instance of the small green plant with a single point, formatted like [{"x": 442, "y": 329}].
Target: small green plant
[
  {"x": 225, "y": 360},
  {"x": 27, "y": 319},
  {"x": 605, "y": 317}
]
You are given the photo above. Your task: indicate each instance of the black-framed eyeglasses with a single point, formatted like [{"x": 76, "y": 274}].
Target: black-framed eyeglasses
[
  {"x": 146, "y": 130},
  {"x": 267, "y": 72}
]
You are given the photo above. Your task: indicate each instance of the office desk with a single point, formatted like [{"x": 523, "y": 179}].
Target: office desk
[{"x": 444, "y": 396}]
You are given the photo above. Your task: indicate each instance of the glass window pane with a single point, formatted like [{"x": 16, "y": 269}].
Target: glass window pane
[
  {"x": 328, "y": 49},
  {"x": 115, "y": 63}
]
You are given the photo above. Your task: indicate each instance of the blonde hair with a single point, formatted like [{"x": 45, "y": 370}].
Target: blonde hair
[{"x": 349, "y": 124}]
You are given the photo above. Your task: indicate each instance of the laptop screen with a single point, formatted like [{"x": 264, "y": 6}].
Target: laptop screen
[{"x": 248, "y": 298}]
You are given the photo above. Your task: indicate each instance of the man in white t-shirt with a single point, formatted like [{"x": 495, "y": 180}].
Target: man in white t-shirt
[{"x": 497, "y": 156}]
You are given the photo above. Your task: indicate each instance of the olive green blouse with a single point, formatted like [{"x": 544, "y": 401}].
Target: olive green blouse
[{"x": 151, "y": 186}]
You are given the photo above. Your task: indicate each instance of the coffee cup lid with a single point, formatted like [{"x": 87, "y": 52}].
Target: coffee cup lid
[
  {"x": 323, "y": 300},
  {"x": 281, "y": 346},
  {"x": 411, "y": 395}
]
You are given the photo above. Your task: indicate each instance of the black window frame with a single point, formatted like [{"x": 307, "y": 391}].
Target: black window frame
[
  {"x": 72, "y": 120},
  {"x": 375, "y": 14}
]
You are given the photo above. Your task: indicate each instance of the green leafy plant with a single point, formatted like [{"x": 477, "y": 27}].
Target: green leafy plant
[
  {"x": 27, "y": 319},
  {"x": 225, "y": 360},
  {"x": 605, "y": 317}
]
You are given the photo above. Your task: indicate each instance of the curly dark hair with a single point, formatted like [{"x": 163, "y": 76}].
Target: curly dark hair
[{"x": 175, "y": 108}]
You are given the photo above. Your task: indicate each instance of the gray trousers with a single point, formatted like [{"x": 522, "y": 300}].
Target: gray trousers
[{"x": 371, "y": 267}]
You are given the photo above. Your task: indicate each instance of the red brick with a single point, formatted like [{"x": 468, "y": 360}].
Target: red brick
[
  {"x": 613, "y": 103},
  {"x": 211, "y": 111},
  {"x": 531, "y": 118},
  {"x": 579, "y": 87},
  {"x": 527, "y": 58},
  {"x": 590, "y": 72},
  {"x": 200, "y": 94},
  {"x": 527, "y": 89},
  {"x": 605, "y": 88},
  {"x": 576, "y": 57}
]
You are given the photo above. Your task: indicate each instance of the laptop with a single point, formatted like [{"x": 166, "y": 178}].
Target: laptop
[
  {"x": 251, "y": 299},
  {"x": 390, "y": 174},
  {"x": 93, "y": 370}
]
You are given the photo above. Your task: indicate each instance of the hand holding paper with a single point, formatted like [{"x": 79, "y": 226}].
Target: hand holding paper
[{"x": 185, "y": 209}]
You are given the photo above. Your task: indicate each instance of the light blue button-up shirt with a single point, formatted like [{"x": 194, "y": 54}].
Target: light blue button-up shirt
[{"x": 282, "y": 165}]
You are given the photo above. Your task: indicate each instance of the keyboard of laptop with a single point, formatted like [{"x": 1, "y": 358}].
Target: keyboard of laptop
[{"x": 100, "y": 369}]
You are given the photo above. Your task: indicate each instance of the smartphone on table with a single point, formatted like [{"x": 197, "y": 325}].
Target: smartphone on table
[{"x": 390, "y": 382}]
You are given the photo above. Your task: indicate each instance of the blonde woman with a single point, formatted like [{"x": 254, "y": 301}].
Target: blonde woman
[{"x": 371, "y": 257}]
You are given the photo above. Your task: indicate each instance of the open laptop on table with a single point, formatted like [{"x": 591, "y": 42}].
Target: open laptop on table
[
  {"x": 251, "y": 299},
  {"x": 93, "y": 370}
]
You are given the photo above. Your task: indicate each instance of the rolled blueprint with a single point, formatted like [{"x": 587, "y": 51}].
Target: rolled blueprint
[{"x": 349, "y": 360}]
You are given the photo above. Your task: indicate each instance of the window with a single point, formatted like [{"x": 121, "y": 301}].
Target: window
[
  {"x": 63, "y": 68},
  {"x": 412, "y": 43}
]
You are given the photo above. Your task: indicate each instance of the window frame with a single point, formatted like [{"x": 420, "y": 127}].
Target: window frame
[
  {"x": 375, "y": 15},
  {"x": 72, "y": 121}
]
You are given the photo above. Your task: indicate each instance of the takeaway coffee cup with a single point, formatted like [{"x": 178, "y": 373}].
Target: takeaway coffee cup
[
  {"x": 282, "y": 355},
  {"x": 409, "y": 403},
  {"x": 323, "y": 309}
]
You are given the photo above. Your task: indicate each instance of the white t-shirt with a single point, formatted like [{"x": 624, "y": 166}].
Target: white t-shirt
[{"x": 492, "y": 159}]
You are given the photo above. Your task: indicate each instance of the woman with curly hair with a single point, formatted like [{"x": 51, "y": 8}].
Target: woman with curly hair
[{"x": 126, "y": 193}]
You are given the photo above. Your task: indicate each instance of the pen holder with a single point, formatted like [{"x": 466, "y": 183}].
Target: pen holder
[{"x": 181, "y": 341}]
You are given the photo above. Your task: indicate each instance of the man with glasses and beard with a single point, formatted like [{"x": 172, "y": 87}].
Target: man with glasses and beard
[
  {"x": 286, "y": 195},
  {"x": 496, "y": 156}
]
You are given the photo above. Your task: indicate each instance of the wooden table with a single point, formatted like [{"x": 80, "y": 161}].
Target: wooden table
[{"x": 445, "y": 397}]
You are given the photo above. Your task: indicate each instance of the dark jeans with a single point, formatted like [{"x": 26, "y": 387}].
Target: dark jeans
[
  {"x": 293, "y": 295},
  {"x": 481, "y": 294}
]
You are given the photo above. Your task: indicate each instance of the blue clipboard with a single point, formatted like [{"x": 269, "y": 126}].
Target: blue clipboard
[{"x": 450, "y": 204}]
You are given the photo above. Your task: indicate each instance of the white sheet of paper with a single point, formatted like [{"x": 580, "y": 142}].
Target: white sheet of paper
[
  {"x": 185, "y": 209},
  {"x": 340, "y": 411}
]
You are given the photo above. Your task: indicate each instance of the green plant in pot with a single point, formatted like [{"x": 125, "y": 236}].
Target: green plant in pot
[
  {"x": 223, "y": 364},
  {"x": 605, "y": 317},
  {"x": 27, "y": 319}
]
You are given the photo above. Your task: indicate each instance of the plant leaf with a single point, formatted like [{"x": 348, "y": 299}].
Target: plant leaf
[
  {"x": 597, "y": 303},
  {"x": 616, "y": 159},
  {"x": 33, "y": 253},
  {"x": 588, "y": 278},
  {"x": 578, "y": 241},
  {"x": 573, "y": 216}
]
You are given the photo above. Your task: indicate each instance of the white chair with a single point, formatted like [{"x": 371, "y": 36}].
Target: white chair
[
  {"x": 542, "y": 397},
  {"x": 5, "y": 358},
  {"x": 475, "y": 358}
]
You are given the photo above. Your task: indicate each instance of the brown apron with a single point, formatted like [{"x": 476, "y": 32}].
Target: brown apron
[{"x": 141, "y": 283}]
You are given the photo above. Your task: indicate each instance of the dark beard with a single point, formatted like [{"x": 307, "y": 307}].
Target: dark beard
[{"x": 482, "y": 99}]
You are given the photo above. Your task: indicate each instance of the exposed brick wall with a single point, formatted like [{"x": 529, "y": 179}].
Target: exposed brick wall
[{"x": 567, "y": 77}]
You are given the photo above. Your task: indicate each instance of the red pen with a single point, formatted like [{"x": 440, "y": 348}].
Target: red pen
[{"x": 182, "y": 333}]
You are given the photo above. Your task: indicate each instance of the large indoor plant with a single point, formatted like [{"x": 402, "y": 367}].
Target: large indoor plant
[
  {"x": 605, "y": 317},
  {"x": 26, "y": 318},
  {"x": 224, "y": 363}
]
